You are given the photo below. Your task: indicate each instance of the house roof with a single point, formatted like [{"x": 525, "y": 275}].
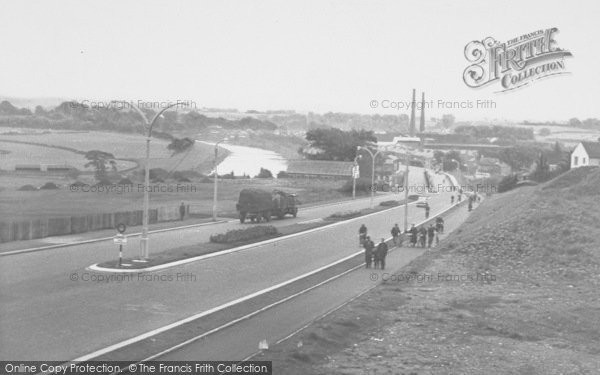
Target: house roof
[
  {"x": 592, "y": 149},
  {"x": 319, "y": 167}
]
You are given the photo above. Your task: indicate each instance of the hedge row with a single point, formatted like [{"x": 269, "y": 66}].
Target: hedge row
[{"x": 238, "y": 235}]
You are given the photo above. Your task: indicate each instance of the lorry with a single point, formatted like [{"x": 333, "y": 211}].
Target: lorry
[{"x": 258, "y": 204}]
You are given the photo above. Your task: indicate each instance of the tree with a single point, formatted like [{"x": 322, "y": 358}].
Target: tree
[
  {"x": 517, "y": 157},
  {"x": 544, "y": 132},
  {"x": 574, "y": 122},
  {"x": 336, "y": 144},
  {"x": 447, "y": 121},
  {"x": 180, "y": 145},
  {"x": 100, "y": 160},
  {"x": 264, "y": 173}
]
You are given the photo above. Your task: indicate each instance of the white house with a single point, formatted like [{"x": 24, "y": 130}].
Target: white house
[{"x": 586, "y": 153}]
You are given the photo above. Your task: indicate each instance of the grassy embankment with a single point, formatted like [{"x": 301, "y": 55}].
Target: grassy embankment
[{"x": 536, "y": 310}]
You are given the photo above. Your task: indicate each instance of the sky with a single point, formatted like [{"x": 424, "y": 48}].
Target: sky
[{"x": 307, "y": 55}]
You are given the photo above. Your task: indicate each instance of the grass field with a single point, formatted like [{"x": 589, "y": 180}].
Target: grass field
[
  {"x": 122, "y": 146},
  {"x": 534, "y": 310}
]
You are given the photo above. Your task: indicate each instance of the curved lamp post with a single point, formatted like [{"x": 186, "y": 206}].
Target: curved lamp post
[
  {"x": 354, "y": 170},
  {"x": 373, "y": 156},
  {"x": 216, "y": 179},
  {"x": 144, "y": 248}
]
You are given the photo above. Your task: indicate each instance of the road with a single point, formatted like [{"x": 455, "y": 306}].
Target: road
[
  {"x": 57, "y": 318},
  {"x": 279, "y": 323}
]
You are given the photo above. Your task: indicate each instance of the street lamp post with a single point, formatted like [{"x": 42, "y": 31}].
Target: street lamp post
[
  {"x": 216, "y": 179},
  {"x": 354, "y": 170},
  {"x": 406, "y": 191},
  {"x": 373, "y": 156},
  {"x": 144, "y": 248}
]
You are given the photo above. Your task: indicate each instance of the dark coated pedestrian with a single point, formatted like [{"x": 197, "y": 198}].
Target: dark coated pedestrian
[
  {"x": 396, "y": 234},
  {"x": 381, "y": 254},
  {"x": 181, "y": 211},
  {"x": 414, "y": 234},
  {"x": 430, "y": 235},
  {"x": 368, "y": 245},
  {"x": 427, "y": 208},
  {"x": 362, "y": 235},
  {"x": 423, "y": 236}
]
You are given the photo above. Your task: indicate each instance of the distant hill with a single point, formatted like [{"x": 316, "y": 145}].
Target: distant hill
[{"x": 31, "y": 103}]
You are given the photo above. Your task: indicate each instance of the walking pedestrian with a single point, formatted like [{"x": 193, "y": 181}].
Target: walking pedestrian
[
  {"x": 368, "y": 245},
  {"x": 470, "y": 205},
  {"x": 413, "y": 235},
  {"x": 439, "y": 224},
  {"x": 452, "y": 199},
  {"x": 423, "y": 236},
  {"x": 395, "y": 234},
  {"x": 362, "y": 234},
  {"x": 426, "y": 210},
  {"x": 380, "y": 254},
  {"x": 430, "y": 235},
  {"x": 181, "y": 211}
]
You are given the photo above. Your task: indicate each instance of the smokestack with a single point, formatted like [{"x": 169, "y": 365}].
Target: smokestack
[
  {"x": 412, "y": 115},
  {"x": 422, "y": 125}
]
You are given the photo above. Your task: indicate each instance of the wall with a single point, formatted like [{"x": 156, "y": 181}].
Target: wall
[{"x": 40, "y": 228}]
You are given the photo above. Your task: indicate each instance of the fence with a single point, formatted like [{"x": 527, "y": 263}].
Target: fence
[{"x": 40, "y": 228}]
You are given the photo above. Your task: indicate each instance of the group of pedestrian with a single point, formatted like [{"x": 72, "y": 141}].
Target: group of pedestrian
[
  {"x": 375, "y": 255},
  {"x": 424, "y": 236}
]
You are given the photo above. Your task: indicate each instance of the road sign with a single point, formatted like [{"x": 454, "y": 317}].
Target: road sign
[
  {"x": 121, "y": 228},
  {"x": 355, "y": 172},
  {"x": 120, "y": 239}
]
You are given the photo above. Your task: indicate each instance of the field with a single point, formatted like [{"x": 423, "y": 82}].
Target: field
[
  {"x": 21, "y": 205},
  {"x": 122, "y": 146},
  {"x": 533, "y": 309}
]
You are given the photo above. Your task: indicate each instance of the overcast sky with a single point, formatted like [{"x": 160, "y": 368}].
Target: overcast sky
[{"x": 304, "y": 55}]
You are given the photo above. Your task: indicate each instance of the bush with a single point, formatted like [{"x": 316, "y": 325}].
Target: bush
[
  {"x": 345, "y": 215},
  {"x": 49, "y": 186},
  {"x": 264, "y": 173},
  {"x": 389, "y": 203},
  {"x": 238, "y": 235},
  {"x": 282, "y": 174},
  {"x": 27, "y": 188},
  {"x": 362, "y": 185},
  {"x": 508, "y": 183},
  {"x": 125, "y": 181},
  {"x": 78, "y": 184}
]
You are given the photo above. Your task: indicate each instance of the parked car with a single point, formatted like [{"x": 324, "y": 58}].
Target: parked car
[{"x": 422, "y": 201}]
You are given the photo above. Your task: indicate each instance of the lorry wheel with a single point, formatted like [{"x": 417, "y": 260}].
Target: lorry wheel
[{"x": 242, "y": 218}]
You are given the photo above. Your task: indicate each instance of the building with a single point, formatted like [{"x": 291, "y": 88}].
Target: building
[
  {"x": 586, "y": 154},
  {"x": 338, "y": 170}
]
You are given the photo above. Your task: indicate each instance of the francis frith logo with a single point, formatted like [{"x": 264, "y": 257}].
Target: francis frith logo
[{"x": 514, "y": 63}]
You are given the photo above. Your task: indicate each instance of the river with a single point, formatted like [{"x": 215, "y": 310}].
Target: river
[{"x": 249, "y": 160}]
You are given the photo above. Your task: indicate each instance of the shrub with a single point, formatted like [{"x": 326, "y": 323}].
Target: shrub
[
  {"x": 362, "y": 185},
  {"x": 282, "y": 174},
  {"x": 264, "y": 173},
  {"x": 238, "y": 235},
  {"x": 78, "y": 184},
  {"x": 508, "y": 183},
  {"x": 104, "y": 182},
  {"x": 27, "y": 188},
  {"x": 344, "y": 215},
  {"x": 49, "y": 186},
  {"x": 391, "y": 203},
  {"x": 125, "y": 181}
]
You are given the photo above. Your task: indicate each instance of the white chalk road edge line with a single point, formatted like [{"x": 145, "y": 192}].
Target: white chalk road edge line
[{"x": 178, "y": 323}]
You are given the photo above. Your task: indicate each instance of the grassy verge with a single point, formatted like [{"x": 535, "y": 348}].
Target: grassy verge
[{"x": 528, "y": 305}]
